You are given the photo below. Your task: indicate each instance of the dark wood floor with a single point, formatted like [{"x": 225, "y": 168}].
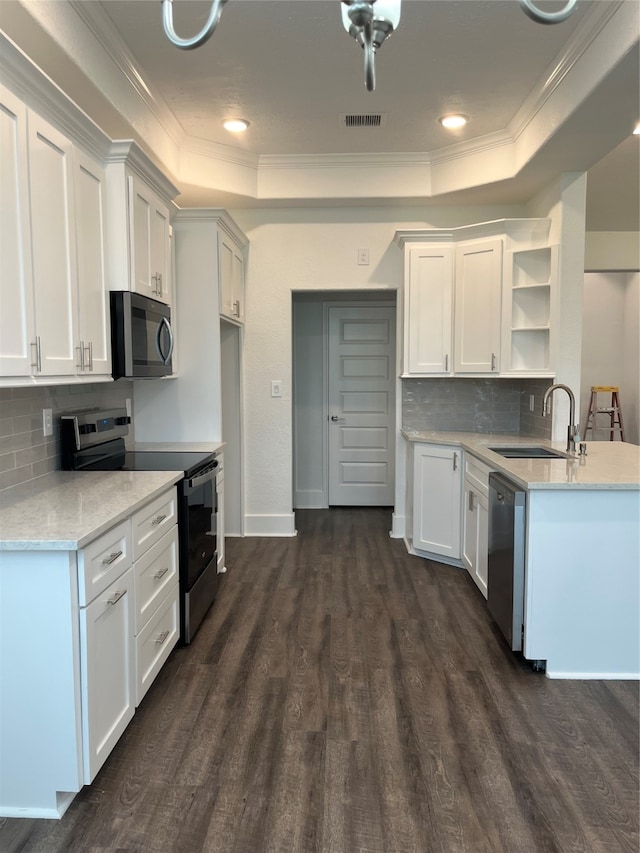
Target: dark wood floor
[{"x": 345, "y": 697}]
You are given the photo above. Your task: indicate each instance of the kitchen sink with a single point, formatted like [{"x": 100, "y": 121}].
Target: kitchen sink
[{"x": 521, "y": 452}]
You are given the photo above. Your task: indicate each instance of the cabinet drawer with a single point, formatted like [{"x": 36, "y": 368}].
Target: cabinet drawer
[
  {"x": 104, "y": 560},
  {"x": 152, "y": 521},
  {"x": 155, "y": 642},
  {"x": 155, "y": 572},
  {"x": 476, "y": 473}
]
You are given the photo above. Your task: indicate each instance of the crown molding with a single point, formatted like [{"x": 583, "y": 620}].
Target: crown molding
[
  {"x": 342, "y": 161},
  {"x": 39, "y": 92},
  {"x": 100, "y": 26},
  {"x": 216, "y": 216},
  {"x": 218, "y": 151},
  {"x": 534, "y": 231},
  {"x": 127, "y": 152}
]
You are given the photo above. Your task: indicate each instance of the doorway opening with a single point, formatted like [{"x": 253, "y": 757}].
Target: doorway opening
[{"x": 344, "y": 398}]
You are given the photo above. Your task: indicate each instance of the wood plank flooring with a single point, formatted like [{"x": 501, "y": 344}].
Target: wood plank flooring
[{"x": 343, "y": 696}]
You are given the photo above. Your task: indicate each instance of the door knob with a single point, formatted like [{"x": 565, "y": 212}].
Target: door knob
[{"x": 335, "y": 418}]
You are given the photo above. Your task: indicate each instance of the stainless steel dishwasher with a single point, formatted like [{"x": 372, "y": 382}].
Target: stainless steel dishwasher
[{"x": 507, "y": 526}]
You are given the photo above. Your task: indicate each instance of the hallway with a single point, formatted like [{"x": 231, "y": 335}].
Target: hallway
[{"x": 343, "y": 696}]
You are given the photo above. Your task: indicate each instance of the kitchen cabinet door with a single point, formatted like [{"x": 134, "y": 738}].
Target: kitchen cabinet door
[
  {"x": 107, "y": 658},
  {"x": 428, "y": 309},
  {"x": 231, "y": 279},
  {"x": 476, "y": 535},
  {"x": 437, "y": 490},
  {"x": 17, "y": 332},
  {"x": 149, "y": 242},
  {"x": 93, "y": 290},
  {"x": 478, "y": 308},
  {"x": 53, "y": 249}
]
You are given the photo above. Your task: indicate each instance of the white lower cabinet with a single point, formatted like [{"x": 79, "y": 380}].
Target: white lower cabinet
[
  {"x": 437, "y": 489},
  {"x": 103, "y": 620},
  {"x": 107, "y": 671},
  {"x": 157, "y": 615},
  {"x": 475, "y": 537}
]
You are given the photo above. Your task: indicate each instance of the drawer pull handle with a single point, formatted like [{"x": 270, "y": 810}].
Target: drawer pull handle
[
  {"x": 115, "y": 598},
  {"x": 111, "y": 558},
  {"x": 161, "y": 573},
  {"x": 158, "y": 520},
  {"x": 162, "y": 637}
]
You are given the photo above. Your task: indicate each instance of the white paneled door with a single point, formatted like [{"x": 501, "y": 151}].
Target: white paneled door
[{"x": 361, "y": 390}]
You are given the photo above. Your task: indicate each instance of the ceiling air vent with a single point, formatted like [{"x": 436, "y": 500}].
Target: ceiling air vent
[{"x": 363, "y": 120}]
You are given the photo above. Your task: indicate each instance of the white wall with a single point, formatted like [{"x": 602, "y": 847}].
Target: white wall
[
  {"x": 612, "y": 250},
  {"x": 610, "y": 348},
  {"x": 312, "y": 250}
]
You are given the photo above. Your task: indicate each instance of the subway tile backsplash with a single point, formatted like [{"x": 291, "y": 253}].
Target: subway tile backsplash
[
  {"x": 475, "y": 405},
  {"x": 24, "y": 451}
]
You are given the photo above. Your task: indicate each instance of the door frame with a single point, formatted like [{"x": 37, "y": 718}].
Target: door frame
[{"x": 348, "y": 303}]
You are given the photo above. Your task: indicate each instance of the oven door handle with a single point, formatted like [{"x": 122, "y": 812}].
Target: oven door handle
[{"x": 208, "y": 476}]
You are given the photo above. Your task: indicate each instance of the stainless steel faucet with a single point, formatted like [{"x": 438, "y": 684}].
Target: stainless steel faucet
[{"x": 573, "y": 431}]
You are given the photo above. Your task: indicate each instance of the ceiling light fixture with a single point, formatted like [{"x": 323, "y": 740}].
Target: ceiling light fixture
[
  {"x": 453, "y": 121},
  {"x": 370, "y": 22},
  {"x": 235, "y": 125},
  {"x": 636, "y": 130}
]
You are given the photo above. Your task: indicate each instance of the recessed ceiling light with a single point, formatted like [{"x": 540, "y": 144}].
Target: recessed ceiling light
[
  {"x": 235, "y": 125},
  {"x": 453, "y": 121}
]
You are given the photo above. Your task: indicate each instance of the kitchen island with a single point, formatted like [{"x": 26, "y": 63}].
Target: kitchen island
[
  {"x": 582, "y": 550},
  {"x": 88, "y": 616}
]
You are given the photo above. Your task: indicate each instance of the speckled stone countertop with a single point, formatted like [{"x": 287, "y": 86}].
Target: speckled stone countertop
[
  {"x": 607, "y": 465},
  {"x": 178, "y": 446},
  {"x": 66, "y": 510}
]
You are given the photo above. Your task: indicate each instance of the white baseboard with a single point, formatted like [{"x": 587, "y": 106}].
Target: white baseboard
[
  {"x": 591, "y": 676},
  {"x": 398, "y": 524},
  {"x": 270, "y": 525}
]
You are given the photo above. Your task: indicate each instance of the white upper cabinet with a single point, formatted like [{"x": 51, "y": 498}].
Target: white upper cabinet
[
  {"x": 53, "y": 284},
  {"x": 478, "y": 290},
  {"x": 427, "y": 309},
  {"x": 478, "y": 300},
  {"x": 138, "y": 197},
  {"x": 93, "y": 293},
  {"x": 53, "y": 249},
  {"x": 149, "y": 242},
  {"x": 231, "y": 278},
  {"x": 16, "y": 275}
]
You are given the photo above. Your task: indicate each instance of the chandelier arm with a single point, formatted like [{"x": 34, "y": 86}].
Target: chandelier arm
[
  {"x": 541, "y": 17},
  {"x": 204, "y": 34},
  {"x": 369, "y": 58}
]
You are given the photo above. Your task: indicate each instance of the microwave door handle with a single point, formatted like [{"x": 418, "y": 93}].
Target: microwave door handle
[{"x": 164, "y": 322}]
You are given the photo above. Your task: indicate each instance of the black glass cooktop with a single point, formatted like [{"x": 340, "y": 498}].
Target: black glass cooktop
[{"x": 111, "y": 456}]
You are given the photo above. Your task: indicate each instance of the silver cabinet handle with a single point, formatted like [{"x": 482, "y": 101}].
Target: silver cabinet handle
[
  {"x": 162, "y": 637},
  {"x": 89, "y": 348},
  {"x": 38, "y": 362},
  {"x": 161, "y": 573},
  {"x": 159, "y": 291},
  {"x": 80, "y": 350},
  {"x": 471, "y": 497},
  {"x": 236, "y": 307},
  {"x": 446, "y": 363},
  {"x": 158, "y": 520},
  {"x": 493, "y": 361},
  {"x": 455, "y": 461},
  {"x": 115, "y": 598},
  {"x": 111, "y": 558}
]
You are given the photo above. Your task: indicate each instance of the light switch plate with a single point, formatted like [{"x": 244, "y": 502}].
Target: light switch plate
[{"x": 276, "y": 388}]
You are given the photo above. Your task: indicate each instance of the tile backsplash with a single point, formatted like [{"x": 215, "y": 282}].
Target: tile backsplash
[
  {"x": 24, "y": 451},
  {"x": 475, "y": 405}
]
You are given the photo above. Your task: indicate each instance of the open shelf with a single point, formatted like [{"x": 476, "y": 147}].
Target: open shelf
[
  {"x": 530, "y": 349},
  {"x": 531, "y": 267}
]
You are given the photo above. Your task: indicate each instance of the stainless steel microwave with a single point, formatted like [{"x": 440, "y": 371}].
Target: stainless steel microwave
[{"x": 141, "y": 336}]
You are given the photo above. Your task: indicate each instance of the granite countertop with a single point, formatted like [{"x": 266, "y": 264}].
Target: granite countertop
[
  {"x": 65, "y": 510},
  {"x": 607, "y": 465},
  {"x": 180, "y": 446}
]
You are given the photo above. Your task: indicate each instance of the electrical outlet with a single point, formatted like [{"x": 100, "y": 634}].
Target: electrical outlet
[
  {"x": 363, "y": 257},
  {"x": 532, "y": 403},
  {"x": 276, "y": 388},
  {"x": 47, "y": 422}
]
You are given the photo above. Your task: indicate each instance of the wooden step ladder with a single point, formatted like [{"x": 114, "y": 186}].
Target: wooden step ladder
[{"x": 613, "y": 410}]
